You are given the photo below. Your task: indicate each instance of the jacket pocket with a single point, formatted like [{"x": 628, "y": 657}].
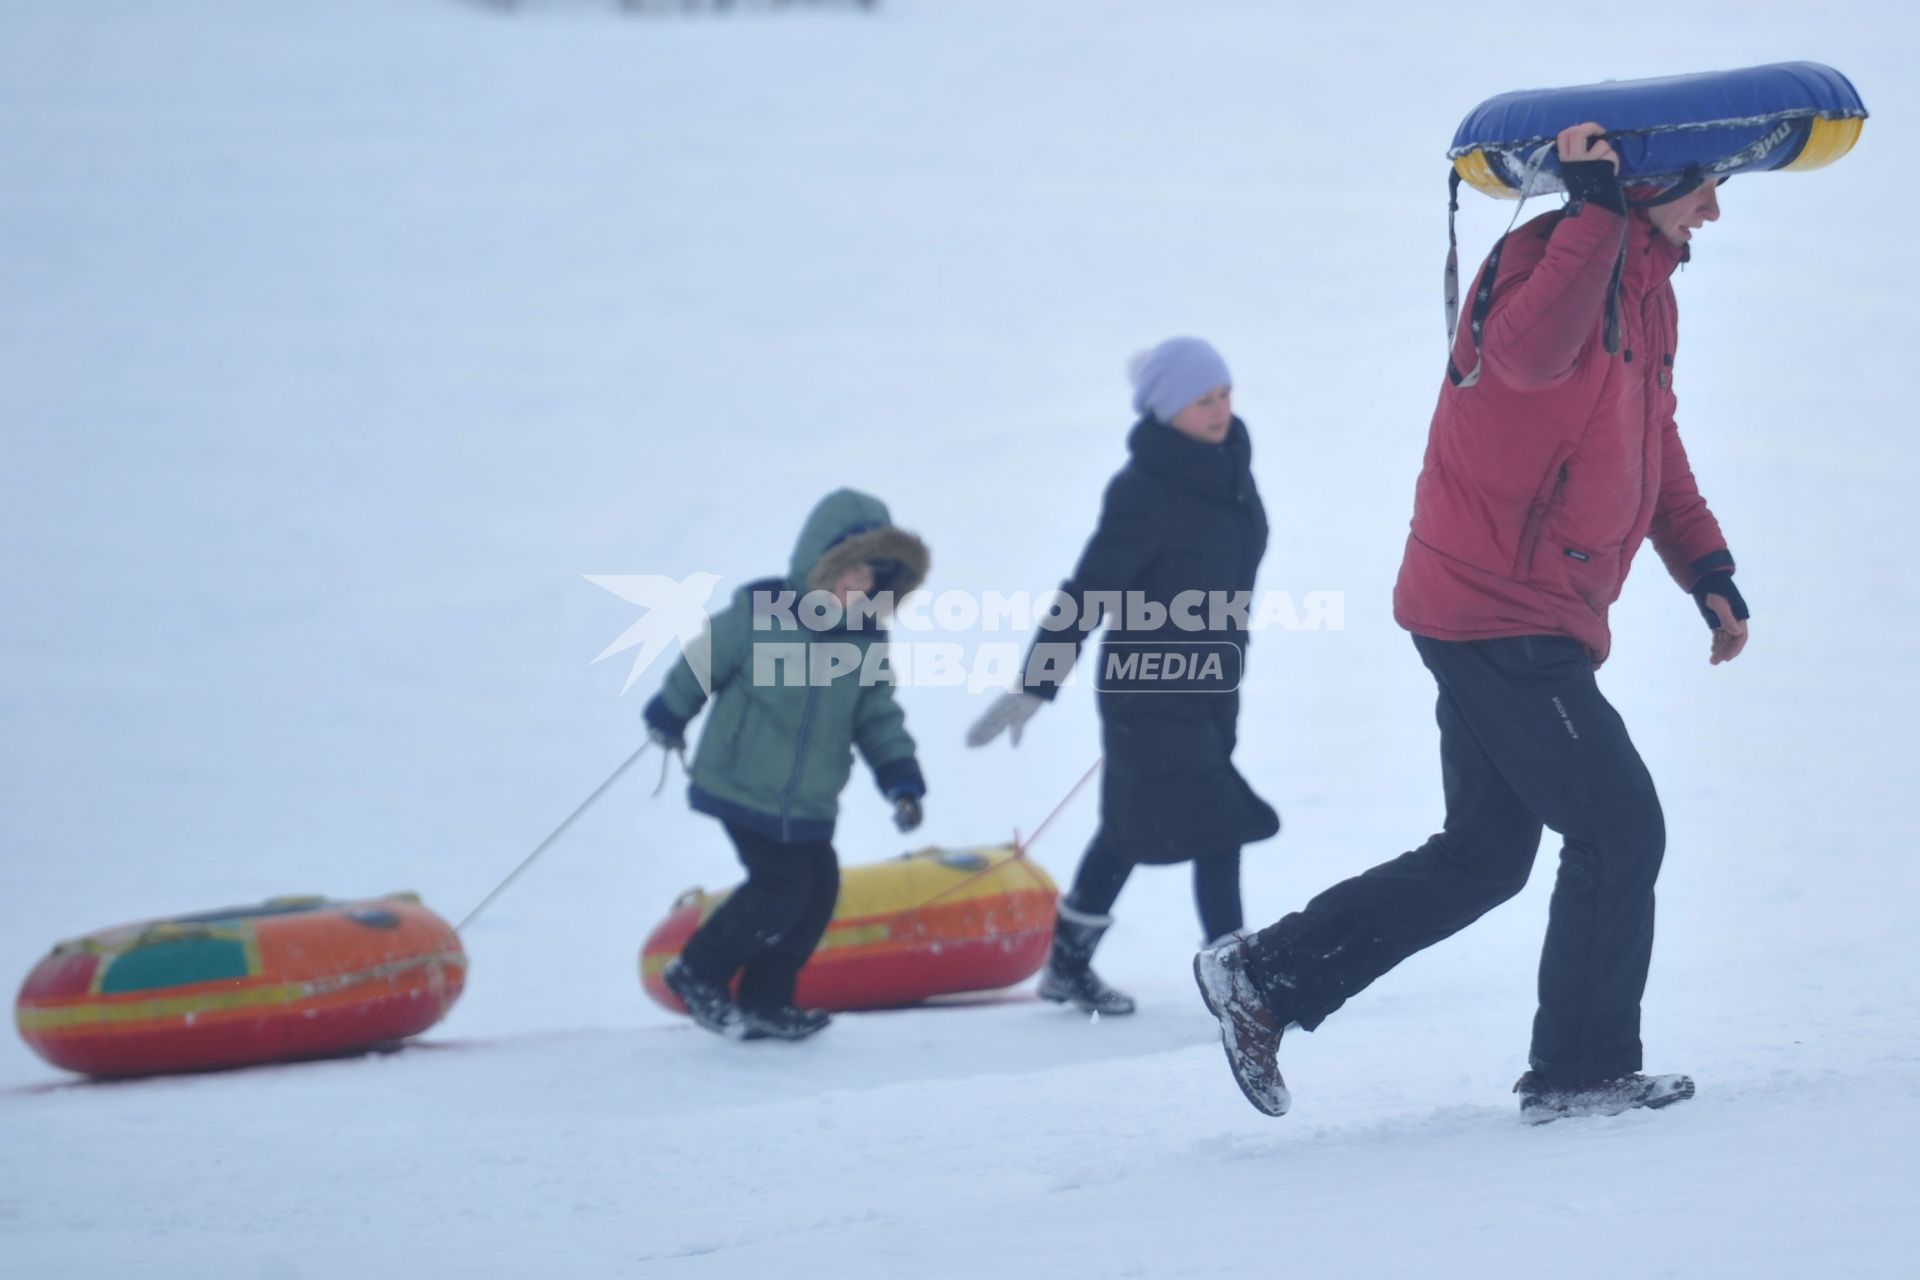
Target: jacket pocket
[
  {"x": 1546, "y": 497},
  {"x": 1591, "y": 576},
  {"x": 739, "y": 732}
]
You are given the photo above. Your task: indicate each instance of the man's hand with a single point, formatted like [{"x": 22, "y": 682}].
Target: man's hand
[
  {"x": 1729, "y": 633},
  {"x": 1584, "y": 142},
  {"x": 1725, "y": 611},
  {"x": 1590, "y": 168}
]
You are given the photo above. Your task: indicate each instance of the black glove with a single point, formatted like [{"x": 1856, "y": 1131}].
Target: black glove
[
  {"x": 1595, "y": 182},
  {"x": 1719, "y": 584},
  {"x": 906, "y": 813},
  {"x": 664, "y": 729}
]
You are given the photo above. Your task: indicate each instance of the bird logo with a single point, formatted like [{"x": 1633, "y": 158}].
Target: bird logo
[{"x": 675, "y": 612}]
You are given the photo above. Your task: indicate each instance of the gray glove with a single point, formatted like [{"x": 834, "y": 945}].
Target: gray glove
[{"x": 1009, "y": 712}]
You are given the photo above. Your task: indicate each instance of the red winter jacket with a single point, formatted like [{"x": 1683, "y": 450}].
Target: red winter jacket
[{"x": 1542, "y": 478}]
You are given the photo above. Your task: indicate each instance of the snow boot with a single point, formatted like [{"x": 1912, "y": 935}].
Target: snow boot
[
  {"x": 708, "y": 1003},
  {"x": 1249, "y": 1030},
  {"x": 785, "y": 1023},
  {"x": 1541, "y": 1102},
  {"x": 1069, "y": 977}
]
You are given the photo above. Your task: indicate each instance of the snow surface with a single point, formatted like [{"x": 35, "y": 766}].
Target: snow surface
[{"x": 339, "y": 341}]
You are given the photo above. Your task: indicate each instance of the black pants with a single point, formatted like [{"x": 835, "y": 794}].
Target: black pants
[
  {"x": 1526, "y": 740},
  {"x": 1216, "y": 887},
  {"x": 771, "y": 924}
]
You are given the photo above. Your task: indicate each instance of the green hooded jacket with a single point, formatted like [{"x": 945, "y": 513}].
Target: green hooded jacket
[{"x": 790, "y": 704}]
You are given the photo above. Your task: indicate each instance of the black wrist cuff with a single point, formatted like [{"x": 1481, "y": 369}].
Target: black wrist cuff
[
  {"x": 901, "y": 779},
  {"x": 1719, "y": 584},
  {"x": 1712, "y": 562},
  {"x": 1595, "y": 182},
  {"x": 660, "y": 719}
]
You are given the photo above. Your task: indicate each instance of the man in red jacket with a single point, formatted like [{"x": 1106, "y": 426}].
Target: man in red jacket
[{"x": 1552, "y": 455}]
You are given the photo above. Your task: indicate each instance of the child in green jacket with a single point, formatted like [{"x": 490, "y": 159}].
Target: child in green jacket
[{"x": 796, "y": 685}]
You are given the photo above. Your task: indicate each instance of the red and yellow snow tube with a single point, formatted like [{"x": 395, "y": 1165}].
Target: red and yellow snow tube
[
  {"x": 290, "y": 978},
  {"x": 932, "y": 923}
]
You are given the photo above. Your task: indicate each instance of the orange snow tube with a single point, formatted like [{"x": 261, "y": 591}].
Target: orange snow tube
[
  {"x": 289, "y": 978},
  {"x": 932, "y": 923}
]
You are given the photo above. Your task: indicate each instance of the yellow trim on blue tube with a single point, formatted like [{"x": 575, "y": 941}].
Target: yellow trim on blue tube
[
  {"x": 1827, "y": 141},
  {"x": 1478, "y": 174}
]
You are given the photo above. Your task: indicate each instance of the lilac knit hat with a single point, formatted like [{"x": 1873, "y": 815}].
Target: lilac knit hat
[{"x": 1173, "y": 375}]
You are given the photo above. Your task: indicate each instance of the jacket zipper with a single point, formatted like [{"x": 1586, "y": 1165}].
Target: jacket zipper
[
  {"x": 1536, "y": 525},
  {"x": 799, "y": 753}
]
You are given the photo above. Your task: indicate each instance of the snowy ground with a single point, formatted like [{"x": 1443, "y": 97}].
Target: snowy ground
[{"x": 337, "y": 342}]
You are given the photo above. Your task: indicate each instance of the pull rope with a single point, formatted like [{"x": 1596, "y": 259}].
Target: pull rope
[
  {"x": 1027, "y": 870},
  {"x": 557, "y": 832},
  {"x": 1021, "y": 846},
  {"x": 1019, "y": 858},
  {"x": 666, "y": 759}
]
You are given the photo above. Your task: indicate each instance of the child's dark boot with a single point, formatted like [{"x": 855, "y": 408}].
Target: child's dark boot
[
  {"x": 707, "y": 1002},
  {"x": 786, "y": 1023}
]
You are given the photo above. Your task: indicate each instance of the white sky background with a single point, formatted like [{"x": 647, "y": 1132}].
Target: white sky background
[{"x": 338, "y": 342}]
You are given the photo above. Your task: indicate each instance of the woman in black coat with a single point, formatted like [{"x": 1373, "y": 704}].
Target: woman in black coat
[{"x": 1171, "y": 568}]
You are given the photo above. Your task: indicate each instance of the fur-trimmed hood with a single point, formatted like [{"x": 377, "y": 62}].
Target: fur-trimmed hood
[{"x": 847, "y": 528}]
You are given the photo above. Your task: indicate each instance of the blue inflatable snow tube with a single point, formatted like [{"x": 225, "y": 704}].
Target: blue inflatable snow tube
[{"x": 1667, "y": 131}]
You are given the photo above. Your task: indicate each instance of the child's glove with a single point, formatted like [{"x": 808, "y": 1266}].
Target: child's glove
[
  {"x": 901, "y": 782},
  {"x": 906, "y": 813},
  {"x": 1009, "y": 712},
  {"x": 664, "y": 729}
]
